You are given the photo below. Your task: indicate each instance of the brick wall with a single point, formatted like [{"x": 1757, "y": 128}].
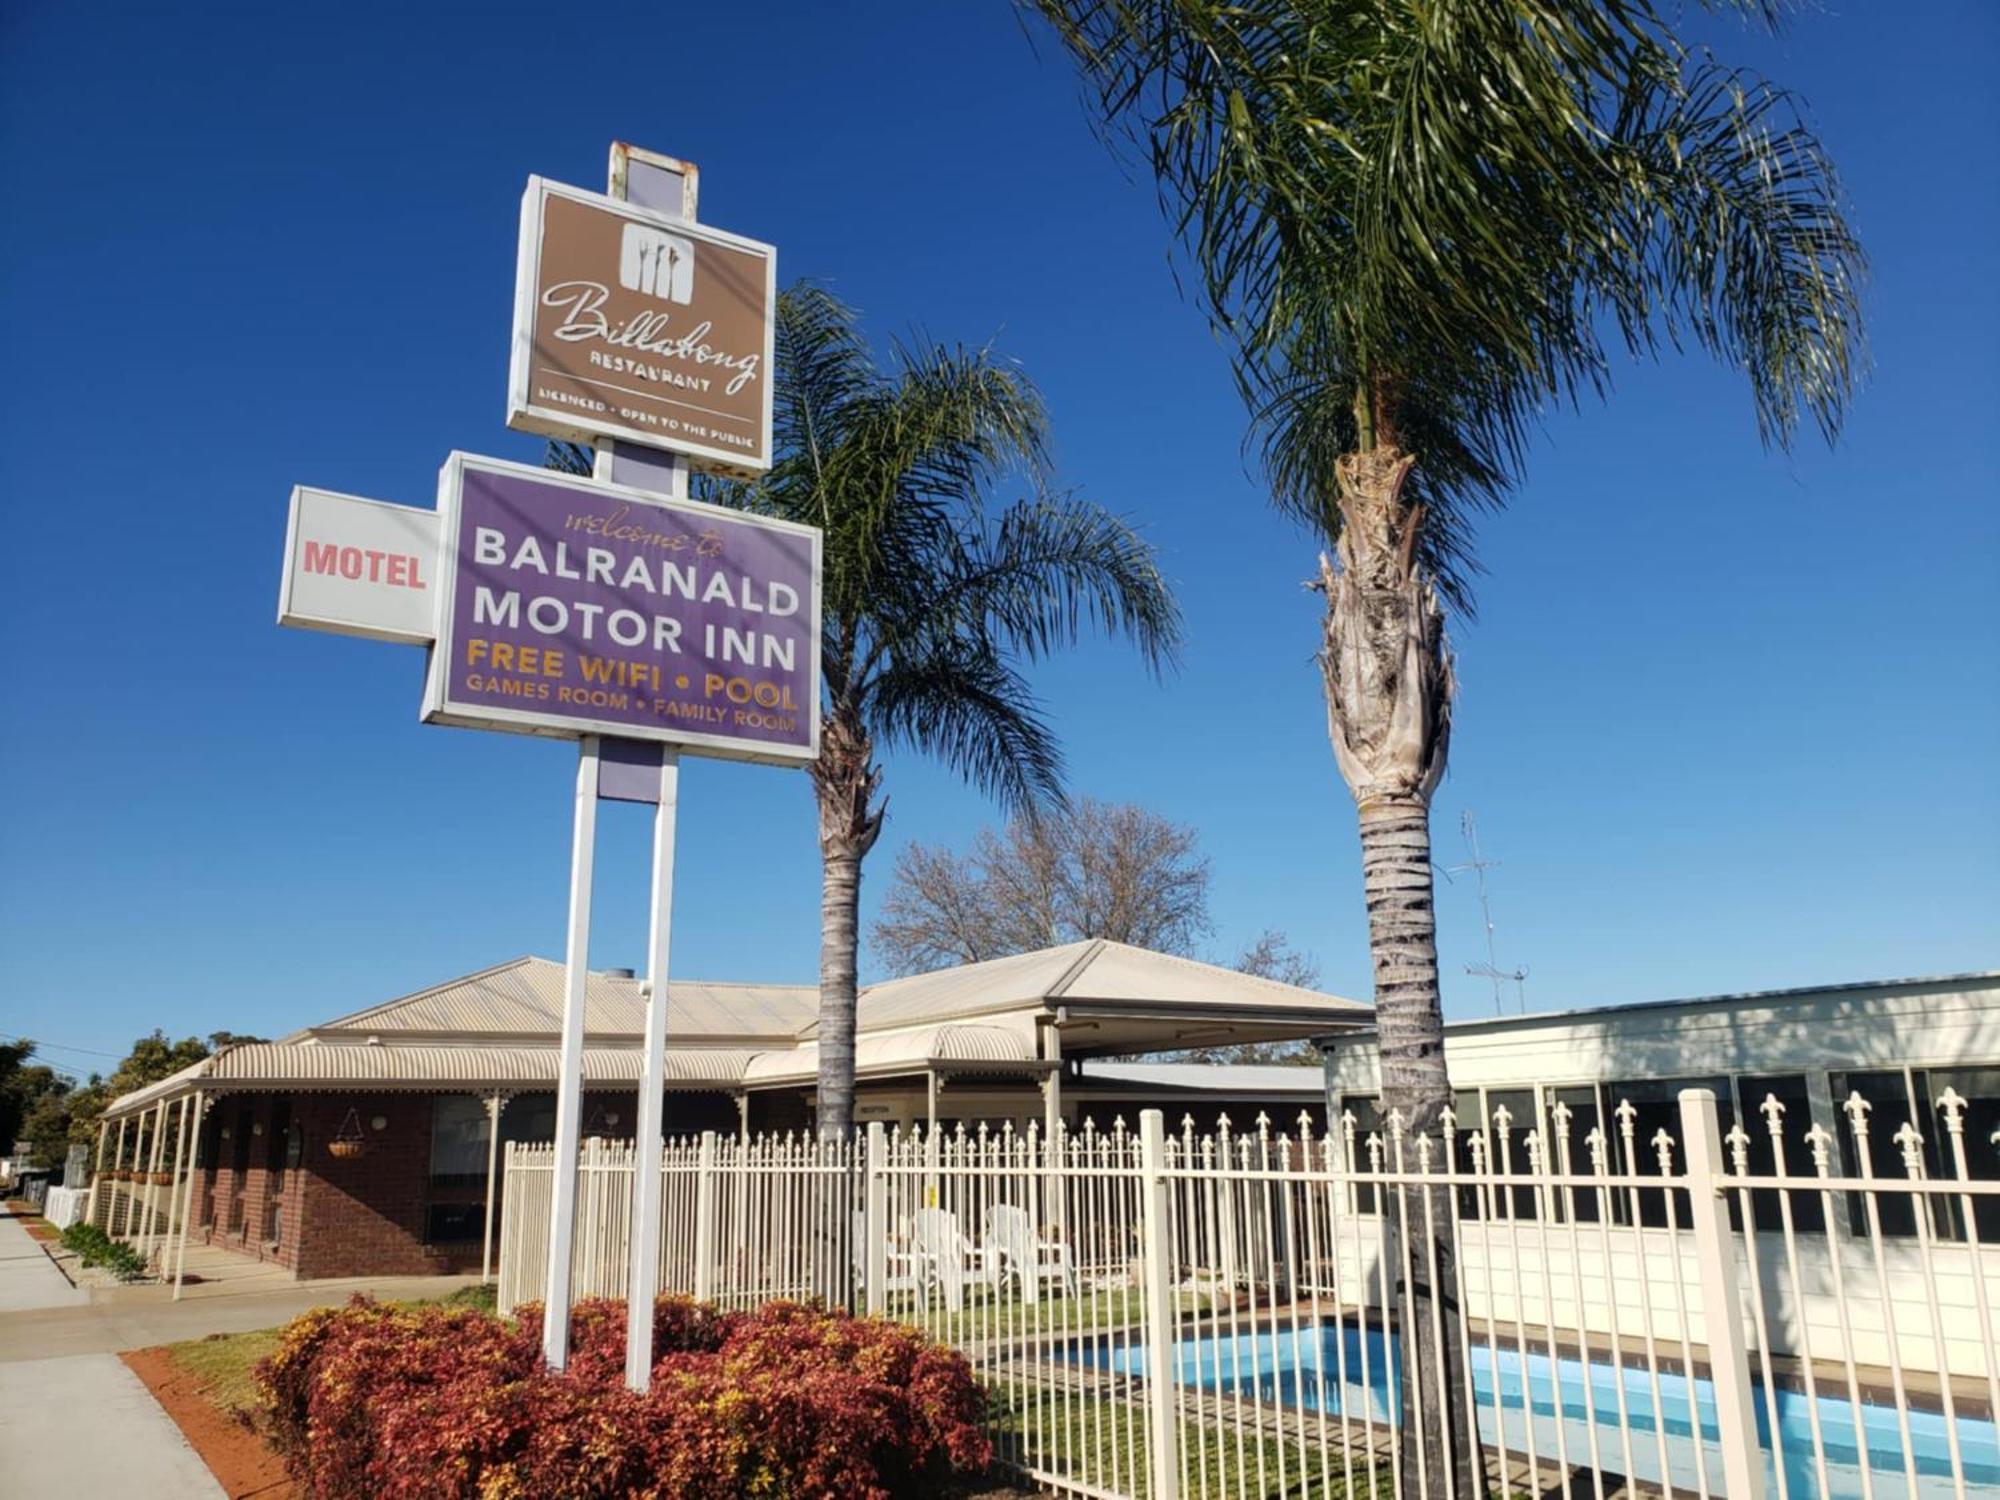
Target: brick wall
[{"x": 364, "y": 1215}]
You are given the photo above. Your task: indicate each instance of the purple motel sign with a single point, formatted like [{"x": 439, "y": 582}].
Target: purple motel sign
[{"x": 568, "y": 606}]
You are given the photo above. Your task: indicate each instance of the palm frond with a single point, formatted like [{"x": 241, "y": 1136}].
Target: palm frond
[
  {"x": 1445, "y": 210},
  {"x": 962, "y": 703}
]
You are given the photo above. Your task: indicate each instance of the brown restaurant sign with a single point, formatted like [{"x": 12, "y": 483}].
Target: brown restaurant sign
[{"x": 631, "y": 324}]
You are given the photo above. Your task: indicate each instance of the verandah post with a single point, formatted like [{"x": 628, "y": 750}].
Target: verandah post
[
  {"x": 1156, "y": 1264},
  {"x": 704, "y": 1220},
  {"x": 1721, "y": 1303}
]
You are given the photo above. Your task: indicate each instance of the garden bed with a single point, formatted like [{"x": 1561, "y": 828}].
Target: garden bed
[
  {"x": 204, "y": 1386},
  {"x": 211, "y": 1387}
]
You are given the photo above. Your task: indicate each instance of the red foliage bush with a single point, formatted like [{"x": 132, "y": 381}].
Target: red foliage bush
[{"x": 788, "y": 1401}]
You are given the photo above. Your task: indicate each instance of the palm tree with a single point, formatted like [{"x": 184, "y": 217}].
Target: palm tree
[
  {"x": 1418, "y": 227},
  {"x": 930, "y": 606}
]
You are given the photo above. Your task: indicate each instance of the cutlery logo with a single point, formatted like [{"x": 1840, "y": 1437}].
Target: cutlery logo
[{"x": 656, "y": 263}]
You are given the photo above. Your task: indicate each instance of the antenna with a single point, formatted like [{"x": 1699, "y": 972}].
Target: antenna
[{"x": 1491, "y": 969}]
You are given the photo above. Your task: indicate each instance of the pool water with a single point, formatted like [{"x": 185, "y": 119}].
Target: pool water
[{"x": 1346, "y": 1370}]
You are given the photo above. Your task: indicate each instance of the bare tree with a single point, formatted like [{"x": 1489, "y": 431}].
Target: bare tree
[{"x": 1096, "y": 870}]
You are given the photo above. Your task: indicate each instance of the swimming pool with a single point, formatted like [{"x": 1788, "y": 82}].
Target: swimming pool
[{"x": 1344, "y": 1370}]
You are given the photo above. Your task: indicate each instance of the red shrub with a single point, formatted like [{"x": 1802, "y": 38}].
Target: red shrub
[{"x": 369, "y": 1400}]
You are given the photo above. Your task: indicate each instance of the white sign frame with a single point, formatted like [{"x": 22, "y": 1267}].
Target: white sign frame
[
  {"x": 360, "y": 623},
  {"x": 571, "y": 726},
  {"x": 523, "y": 415}
]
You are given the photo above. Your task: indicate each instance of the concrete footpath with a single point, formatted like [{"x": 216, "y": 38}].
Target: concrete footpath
[
  {"x": 86, "y": 1425},
  {"x": 82, "y": 1424}
]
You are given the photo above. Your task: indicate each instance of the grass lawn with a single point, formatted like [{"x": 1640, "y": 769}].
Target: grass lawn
[
  {"x": 987, "y": 1315},
  {"x": 1095, "y": 1441},
  {"x": 223, "y": 1365}
]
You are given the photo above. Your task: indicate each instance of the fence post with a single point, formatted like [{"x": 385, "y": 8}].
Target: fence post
[
  {"x": 1721, "y": 1303},
  {"x": 1157, "y": 1268},
  {"x": 704, "y": 1220},
  {"x": 875, "y": 1221}
]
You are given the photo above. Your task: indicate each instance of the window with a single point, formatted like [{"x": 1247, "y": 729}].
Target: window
[
  {"x": 1889, "y": 1094},
  {"x": 1656, "y": 1107},
  {"x": 1581, "y": 1205},
  {"x": 1367, "y": 1112},
  {"x": 529, "y": 1117},
  {"x": 458, "y": 1141},
  {"x": 1980, "y": 1121},
  {"x": 1789, "y": 1089}
]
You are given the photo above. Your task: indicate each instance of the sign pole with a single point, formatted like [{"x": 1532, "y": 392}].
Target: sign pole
[
  {"x": 645, "y": 1267},
  {"x": 669, "y": 186},
  {"x": 569, "y": 1075}
]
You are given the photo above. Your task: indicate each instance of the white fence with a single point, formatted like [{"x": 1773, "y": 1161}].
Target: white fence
[{"x": 1170, "y": 1315}]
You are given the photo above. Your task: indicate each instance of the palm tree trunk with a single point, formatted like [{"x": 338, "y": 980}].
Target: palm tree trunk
[
  {"x": 1388, "y": 692},
  {"x": 849, "y": 824}
]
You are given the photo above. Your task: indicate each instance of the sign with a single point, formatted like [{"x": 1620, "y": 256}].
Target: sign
[
  {"x": 632, "y": 324},
  {"x": 570, "y": 607},
  {"x": 359, "y": 567}
]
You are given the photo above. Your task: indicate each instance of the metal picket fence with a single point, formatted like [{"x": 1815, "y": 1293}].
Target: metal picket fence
[{"x": 1161, "y": 1314}]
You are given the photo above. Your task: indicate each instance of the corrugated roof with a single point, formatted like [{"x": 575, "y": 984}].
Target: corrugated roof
[
  {"x": 525, "y": 996},
  {"x": 899, "y": 1051},
  {"x": 1098, "y": 971},
  {"x": 306, "y": 1065}
]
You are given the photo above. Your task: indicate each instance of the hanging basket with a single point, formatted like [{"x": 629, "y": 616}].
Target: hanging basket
[{"x": 348, "y": 1142}]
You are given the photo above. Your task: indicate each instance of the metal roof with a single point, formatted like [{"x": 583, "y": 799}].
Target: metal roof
[
  {"x": 1097, "y": 972},
  {"x": 309, "y": 1065},
  {"x": 498, "y": 1027},
  {"x": 524, "y": 997},
  {"x": 1979, "y": 979}
]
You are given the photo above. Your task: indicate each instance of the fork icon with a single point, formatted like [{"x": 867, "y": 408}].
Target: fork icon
[{"x": 657, "y": 263}]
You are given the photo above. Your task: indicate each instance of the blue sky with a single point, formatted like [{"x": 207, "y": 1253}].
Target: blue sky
[{"x": 1729, "y": 718}]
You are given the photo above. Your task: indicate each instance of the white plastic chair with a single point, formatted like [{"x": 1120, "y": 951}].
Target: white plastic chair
[
  {"x": 950, "y": 1260},
  {"x": 1026, "y": 1257},
  {"x": 902, "y": 1270}
]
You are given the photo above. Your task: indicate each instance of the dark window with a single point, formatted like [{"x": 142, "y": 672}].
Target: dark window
[
  {"x": 1980, "y": 1122},
  {"x": 454, "y": 1223},
  {"x": 458, "y": 1141},
  {"x": 1656, "y": 1107},
  {"x": 1888, "y": 1094},
  {"x": 1582, "y": 1205},
  {"x": 1789, "y": 1089}
]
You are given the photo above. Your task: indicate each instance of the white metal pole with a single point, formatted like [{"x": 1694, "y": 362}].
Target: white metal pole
[
  {"x": 200, "y": 1107},
  {"x": 667, "y": 186},
  {"x": 569, "y": 1076},
  {"x": 1157, "y": 1264},
  {"x": 1721, "y": 1303},
  {"x": 645, "y": 1271},
  {"x": 174, "y": 1186}
]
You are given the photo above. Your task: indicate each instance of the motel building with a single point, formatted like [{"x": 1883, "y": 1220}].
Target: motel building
[
  {"x": 366, "y": 1145},
  {"x": 1890, "y": 1081}
]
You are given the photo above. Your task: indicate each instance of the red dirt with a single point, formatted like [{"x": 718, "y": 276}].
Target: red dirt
[{"x": 237, "y": 1457}]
